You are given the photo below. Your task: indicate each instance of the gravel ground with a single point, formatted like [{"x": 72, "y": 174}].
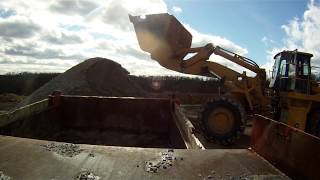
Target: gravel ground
[
  {"x": 87, "y": 175},
  {"x": 66, "y": 149},
  {"x": 3, "y": 176}
]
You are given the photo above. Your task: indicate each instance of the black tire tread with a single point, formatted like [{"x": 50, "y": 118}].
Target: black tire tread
[
  {"x": 313, "y": 125},
  {"x": 240, "y": 125}
]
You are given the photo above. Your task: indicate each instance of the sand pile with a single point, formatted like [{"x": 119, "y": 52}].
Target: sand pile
[{"x": 93, "y": 77}]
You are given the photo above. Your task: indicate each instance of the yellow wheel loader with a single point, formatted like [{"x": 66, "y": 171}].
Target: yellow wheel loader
[{"x": 292, "y": 97}]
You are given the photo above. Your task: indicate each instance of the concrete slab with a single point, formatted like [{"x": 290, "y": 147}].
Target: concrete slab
[{"x": 22, "y": 158}]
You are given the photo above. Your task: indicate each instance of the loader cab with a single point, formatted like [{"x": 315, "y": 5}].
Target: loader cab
[{"x": 291, "y": 72}]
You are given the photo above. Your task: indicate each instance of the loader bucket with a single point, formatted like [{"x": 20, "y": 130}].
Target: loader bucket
[{"x": 162, "y": 35}]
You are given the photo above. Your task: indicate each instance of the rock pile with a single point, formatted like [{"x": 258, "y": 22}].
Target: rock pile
[{"x": 93, "y": 77}]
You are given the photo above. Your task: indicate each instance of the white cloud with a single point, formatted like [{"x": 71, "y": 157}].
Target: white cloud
[
  {"x": 267, "y": 42},
  {"x": 302, "y": 34},
  {"x": 176, "y": 9},
  {"x": 264, "y": 39},
  {"x": 52, "y": 36}
]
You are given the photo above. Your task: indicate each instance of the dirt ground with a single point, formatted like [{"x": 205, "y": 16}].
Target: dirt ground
[
  {"x": 9, "y": 101},
  {"x": 193, "y": 114}
]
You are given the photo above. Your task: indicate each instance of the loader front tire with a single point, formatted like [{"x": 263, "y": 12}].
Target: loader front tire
[
  {"x": 313, "y": 123},
  {"x": 223, "y": 120}
]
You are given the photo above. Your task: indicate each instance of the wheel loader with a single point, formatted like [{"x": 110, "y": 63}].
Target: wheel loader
[{"x": 292, "y": 96}]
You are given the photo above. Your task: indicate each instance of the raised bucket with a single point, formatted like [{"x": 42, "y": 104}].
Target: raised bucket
[{"x": 162, "y": 35}]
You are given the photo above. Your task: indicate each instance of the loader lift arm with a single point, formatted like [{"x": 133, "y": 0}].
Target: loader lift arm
[
  {"x": 171, "y": 53},
  {"x": 168, "y": 42},
  {"x": 203, "y": 54}
]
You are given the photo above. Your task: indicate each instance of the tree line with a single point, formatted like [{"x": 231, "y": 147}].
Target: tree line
[
  {"x": 23, "y": 83},
  {"x": 177, "y": 84}
]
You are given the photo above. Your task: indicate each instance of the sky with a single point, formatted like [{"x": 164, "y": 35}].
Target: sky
[{"x": 54, "y": 35}]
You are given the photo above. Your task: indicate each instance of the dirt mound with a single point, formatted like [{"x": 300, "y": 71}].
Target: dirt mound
[
  {"x": 10, "y": 97},
  {"x": 93, "y": 77}
]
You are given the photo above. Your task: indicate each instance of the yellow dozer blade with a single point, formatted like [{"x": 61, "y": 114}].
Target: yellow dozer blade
[{"x": 162, "y": 35}]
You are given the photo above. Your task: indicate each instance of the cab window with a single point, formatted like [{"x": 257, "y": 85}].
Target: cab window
[{"x": 283, "y": 67}]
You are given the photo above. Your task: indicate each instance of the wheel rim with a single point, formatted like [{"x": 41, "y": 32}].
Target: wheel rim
[{"x": 221, "y": 121}]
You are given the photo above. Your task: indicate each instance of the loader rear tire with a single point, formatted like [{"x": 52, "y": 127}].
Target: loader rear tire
[
  {"x": 223, "y": 119},
  {"x": 313, "y": 124}
]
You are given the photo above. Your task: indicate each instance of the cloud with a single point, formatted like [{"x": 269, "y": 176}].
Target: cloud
[
  {"x": 264, "y": 39},
  {"x": 73, "y": 7},
  {"x": 176, "y": 9},
  {"x": 267, "y": 42},
  {"x": 201, "y": 39},
  {"x": 47, "y": 36},
  {"x": 5, "y": 13},
  {"x": 40, "y": 53},
  {"x": 302, "y": 34},
  {"x": 61, "y": 38},
  {"x": 115, "y": 15},
  {"x": 116, "y": 12},
  {"x": 19, "y": 27}
]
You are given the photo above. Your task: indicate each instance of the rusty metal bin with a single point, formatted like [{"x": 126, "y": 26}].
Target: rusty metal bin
[{"x": 131, "y": 122}]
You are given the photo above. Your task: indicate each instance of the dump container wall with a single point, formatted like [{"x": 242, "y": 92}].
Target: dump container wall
[
  {"x": 137, "y": 122},
  {"x": 291, "y": 150}
]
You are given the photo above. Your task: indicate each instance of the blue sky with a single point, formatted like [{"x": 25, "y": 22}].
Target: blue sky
[
  {"x": 243, "y": 22},
  {"x": 52, "y": 36}
]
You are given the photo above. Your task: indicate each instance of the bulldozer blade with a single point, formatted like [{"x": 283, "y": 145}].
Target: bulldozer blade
[
  {"x": 161, "y": 35},
  {"x": 293, "y": 151}
]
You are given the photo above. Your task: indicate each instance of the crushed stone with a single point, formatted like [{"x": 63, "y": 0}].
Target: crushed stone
[
  {"x": 66, "y": 149},
  {"x": 248, "y": 177},
  {"x": 265, "y": 177},
  {"x": 4, "y": 177},
  {"x": 93, "y": 77},
  {"x": 165, "y": 161},
  {"x": 87, "y": 175},
  {"x": 91, "y": 155}
]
